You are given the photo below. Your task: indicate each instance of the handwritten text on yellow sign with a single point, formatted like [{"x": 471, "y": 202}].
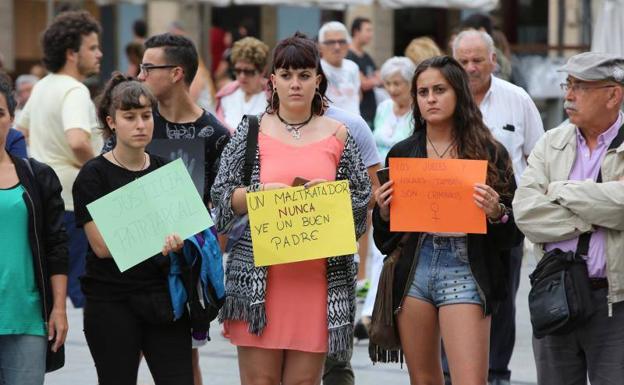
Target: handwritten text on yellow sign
[{"x": 299, "y": 224}]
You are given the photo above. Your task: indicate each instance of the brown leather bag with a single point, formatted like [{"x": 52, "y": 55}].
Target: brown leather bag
[{"x": 384, "y": 342}]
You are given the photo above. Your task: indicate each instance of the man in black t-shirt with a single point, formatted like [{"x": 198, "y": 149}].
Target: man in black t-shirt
[
  {"x": 362, "y": 34},
  {"x": 168, "y": 67}
]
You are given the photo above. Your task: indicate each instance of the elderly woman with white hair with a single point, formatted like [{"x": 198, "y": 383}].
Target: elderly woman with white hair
[{"x": 393, "y": 119}]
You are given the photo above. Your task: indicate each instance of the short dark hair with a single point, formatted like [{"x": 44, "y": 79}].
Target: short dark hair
[
  {"x": 478, "y": 21},
  {"x": 356, "y": 26},
  {"x": 139, "y": 28},
  {"x": 179, "y": 51},
  {"x": 66, "y": 32},
  {"x": 298, "y": 52},
  {"x": 6, "y": 89},
  {"x": 121, "y": 92}
]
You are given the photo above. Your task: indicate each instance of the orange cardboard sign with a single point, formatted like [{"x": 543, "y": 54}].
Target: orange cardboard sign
[{"x": 436, "y": 195}]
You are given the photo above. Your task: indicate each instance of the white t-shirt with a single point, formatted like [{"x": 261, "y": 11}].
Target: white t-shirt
[
  {"x": 234, "y": 106},
  {"x": 514, "y": 121},
  {"x": 59, "y": 103},
  {"x": 343, "y": 88}
]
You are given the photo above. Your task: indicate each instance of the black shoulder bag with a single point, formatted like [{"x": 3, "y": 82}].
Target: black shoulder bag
[
  {"x": 560, "y": 299},
  {"x": 250, "y": 150}
]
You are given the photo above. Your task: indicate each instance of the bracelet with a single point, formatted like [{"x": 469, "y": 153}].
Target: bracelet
[
  {"x": 504, "y": 216},
  {"x": 254, "y": 187}
]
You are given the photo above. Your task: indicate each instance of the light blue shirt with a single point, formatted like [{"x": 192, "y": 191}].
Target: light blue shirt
[{"x": 361, "y": 133}]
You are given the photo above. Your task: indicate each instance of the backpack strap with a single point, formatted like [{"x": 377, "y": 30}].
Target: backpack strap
[{"x": 250, "y": 151}]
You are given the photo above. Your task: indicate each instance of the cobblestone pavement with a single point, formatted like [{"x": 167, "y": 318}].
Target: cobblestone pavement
[{"x": 219, "y": 365}]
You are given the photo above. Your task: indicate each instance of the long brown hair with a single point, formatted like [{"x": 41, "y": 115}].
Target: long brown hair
[{"x": 473, "y": 137}]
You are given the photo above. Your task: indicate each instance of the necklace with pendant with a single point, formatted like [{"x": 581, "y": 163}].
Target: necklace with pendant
[
  {"x": 436, "y": 150},
  {"x": 294, "y": 128}
]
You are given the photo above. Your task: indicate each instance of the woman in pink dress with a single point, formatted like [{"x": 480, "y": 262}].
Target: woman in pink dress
[{"x": 286, "y": 318}]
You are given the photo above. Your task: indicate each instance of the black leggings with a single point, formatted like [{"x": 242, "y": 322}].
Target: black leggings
[{"x": 116, "y": 337}]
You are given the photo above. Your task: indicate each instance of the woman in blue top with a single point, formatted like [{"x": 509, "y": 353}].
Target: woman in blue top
[
  {"x": 33, "y": 261},
  {"x": 16, "y": 143}
]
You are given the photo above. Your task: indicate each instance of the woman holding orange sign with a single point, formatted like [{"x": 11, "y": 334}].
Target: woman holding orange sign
[
  {"x": 446, "y": 284},
  {"x": 286, "y": 318}
]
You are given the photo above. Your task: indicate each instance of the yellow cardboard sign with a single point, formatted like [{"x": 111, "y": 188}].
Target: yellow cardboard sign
[{"x": 299, "y": 224}]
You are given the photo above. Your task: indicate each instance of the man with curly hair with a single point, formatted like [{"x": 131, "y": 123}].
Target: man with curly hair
[{"x": 59, "y": 118}]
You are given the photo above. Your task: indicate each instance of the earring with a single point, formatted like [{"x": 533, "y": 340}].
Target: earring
[{"x": 317, "y": 93}]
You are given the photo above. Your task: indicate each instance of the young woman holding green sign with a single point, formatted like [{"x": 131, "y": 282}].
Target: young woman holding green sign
[
  {"x": 446, "y": 285},
  {"x": 33, "y": 262},
  {"x": 128, "y": 313},
  {"x": 286, "y": 318}
]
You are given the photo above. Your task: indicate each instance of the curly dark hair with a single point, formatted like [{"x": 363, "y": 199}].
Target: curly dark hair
[
  {"x": 179, "y": 51},
  {"x": 121, "y": 92},
  {"x": 298, "y": 52},
  {"x": 473, "y": 137},
  {"x": 65, "y": 33},
  {"x": 6, "y": 89}
]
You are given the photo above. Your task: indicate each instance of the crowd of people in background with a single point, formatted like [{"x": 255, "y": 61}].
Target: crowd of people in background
[{"x": 319, "y": 110}]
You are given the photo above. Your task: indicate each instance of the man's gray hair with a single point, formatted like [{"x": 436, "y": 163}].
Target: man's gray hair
[
  {"x": 25, "y": 79},
  {"x": 333, "y": 26},
  {"x": 484, "y": 36},
  {"x": 398, "y": 65}
]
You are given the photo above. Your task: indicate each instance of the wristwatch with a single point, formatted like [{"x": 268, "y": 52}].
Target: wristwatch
[{"x": 504, "y": 215}]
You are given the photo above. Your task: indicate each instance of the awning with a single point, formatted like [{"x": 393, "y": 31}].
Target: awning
[
  {"x": 609, "y": 29},
  {"x": 483, "y": 5}
]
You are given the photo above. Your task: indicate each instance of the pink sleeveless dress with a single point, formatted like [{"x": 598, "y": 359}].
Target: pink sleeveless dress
[{"x": 296, "y": 295}]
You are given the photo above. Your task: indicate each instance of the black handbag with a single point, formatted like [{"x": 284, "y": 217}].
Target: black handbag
[
  {"x": 54, "y": 360},
  {"x": 560, "y": 299}
]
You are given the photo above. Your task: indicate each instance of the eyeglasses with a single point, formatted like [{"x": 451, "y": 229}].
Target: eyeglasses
[
  {"x": 247, "y": 71},
  {"x": 330, "y": 43},
  {"x": 583, "y": 87},
  {"x": 146, "y": 68}
]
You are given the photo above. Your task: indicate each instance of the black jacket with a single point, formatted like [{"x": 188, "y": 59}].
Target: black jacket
[
  {"x": 46, "y": 229},
  {"x": 488, "y": 254}
]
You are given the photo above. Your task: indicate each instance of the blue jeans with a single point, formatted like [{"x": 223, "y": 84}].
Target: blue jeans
[
  {"x": 443, "y": 275},
  {"x": 77, "y": 258},
  {"x": 22, "y": 359}
]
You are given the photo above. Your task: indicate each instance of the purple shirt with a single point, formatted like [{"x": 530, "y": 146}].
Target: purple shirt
[{"x": 587, "y": 166}]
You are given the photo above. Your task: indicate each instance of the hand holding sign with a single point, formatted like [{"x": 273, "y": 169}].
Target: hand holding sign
[
  {"x": 436, "y": 195},
  {"x": 135, "y": 218},
  {"x": 299, "y": 224}
]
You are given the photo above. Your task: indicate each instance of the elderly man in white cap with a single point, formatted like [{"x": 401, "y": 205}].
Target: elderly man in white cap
[{"x": 574, "y": 185}]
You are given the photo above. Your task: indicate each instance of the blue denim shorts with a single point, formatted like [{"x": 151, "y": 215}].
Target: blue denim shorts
[{"x": 443, "y": 275}]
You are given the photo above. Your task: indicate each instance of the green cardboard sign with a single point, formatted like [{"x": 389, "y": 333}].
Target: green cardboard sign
[{"x": 135, "y": 219}]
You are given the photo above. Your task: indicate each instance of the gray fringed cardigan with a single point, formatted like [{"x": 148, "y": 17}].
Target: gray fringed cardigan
[{"x": 245, "y": 285}]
